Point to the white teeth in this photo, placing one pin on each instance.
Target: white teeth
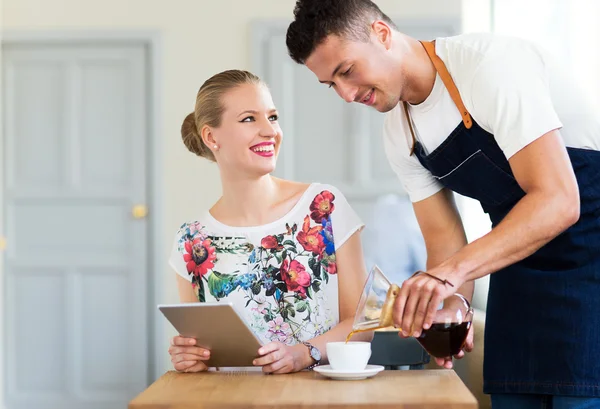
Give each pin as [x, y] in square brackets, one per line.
[264, 148]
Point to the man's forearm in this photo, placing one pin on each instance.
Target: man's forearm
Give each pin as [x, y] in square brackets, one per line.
[439, 254]
[534, 221]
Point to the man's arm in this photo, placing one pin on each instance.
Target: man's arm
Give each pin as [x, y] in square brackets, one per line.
[444, 236]
[442, 231]
[550, 206]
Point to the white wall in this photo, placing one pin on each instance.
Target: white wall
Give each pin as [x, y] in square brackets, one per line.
[567, 28]
[199, 38]
[1, 232]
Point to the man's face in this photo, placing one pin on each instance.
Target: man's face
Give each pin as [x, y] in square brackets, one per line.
[358, 71]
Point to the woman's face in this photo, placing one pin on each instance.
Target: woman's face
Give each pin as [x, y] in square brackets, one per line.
[249, 136]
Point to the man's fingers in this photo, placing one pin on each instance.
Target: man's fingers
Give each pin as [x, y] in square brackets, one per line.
[432, 308]
[440, 361]
[400, 304]
[424, 310]
[411, 307]
[444, 362]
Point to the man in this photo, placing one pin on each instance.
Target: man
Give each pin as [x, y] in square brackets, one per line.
[498, 120]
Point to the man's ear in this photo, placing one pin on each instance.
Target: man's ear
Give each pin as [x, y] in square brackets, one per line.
[383, 33]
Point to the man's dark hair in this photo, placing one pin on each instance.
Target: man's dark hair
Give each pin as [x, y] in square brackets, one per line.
[314, 20]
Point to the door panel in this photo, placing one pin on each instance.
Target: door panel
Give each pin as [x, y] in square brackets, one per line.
[76, 269]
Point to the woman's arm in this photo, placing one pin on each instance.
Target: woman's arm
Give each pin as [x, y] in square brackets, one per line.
[185, 355]
[352, 275]
[186, 291]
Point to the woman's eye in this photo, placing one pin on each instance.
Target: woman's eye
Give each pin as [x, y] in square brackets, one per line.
[347, 72]
[273, 118]
[248, 119]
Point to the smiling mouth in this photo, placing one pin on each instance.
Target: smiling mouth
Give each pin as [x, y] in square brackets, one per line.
[263, 148]
[368, 99]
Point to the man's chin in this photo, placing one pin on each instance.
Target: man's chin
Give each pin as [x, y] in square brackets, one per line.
[385, 108]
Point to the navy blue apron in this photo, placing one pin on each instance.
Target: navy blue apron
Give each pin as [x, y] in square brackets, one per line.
[542, 330]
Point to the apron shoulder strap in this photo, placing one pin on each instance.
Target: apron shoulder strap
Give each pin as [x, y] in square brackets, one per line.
[441, 69]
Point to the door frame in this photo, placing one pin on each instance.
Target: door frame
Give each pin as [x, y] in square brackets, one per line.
[152, 42]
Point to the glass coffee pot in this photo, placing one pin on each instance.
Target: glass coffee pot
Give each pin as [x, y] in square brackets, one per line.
[445, 337]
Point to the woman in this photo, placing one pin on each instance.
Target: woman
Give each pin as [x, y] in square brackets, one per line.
[288, 254]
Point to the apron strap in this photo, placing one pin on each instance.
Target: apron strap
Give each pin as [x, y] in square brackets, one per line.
[412, 131]
[441, 69]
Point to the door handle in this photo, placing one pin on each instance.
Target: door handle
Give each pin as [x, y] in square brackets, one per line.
[139, 211]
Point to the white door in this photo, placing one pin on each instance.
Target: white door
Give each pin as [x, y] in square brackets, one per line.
[76, 276]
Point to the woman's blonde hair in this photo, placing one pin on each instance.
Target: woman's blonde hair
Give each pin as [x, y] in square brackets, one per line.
[209, 108]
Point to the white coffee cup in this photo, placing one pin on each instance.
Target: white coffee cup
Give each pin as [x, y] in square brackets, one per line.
[351, 356]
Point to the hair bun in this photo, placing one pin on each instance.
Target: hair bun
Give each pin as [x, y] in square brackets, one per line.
[189, 134]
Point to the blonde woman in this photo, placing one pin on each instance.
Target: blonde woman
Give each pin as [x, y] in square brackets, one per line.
[288, 254]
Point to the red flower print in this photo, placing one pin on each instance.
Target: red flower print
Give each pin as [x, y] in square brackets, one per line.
[322, 206]
[295, 276]
[311, 239]
[331, 267]
[270, 242]
[199, 256]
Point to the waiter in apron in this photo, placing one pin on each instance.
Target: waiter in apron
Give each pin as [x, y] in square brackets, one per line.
[498, 120]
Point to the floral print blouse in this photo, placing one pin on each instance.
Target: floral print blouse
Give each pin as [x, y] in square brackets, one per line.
[282, 276]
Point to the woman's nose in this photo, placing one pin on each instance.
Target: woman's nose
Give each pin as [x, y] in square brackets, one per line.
[268, 129]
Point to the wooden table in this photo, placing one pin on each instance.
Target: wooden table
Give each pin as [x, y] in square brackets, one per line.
[224, 390]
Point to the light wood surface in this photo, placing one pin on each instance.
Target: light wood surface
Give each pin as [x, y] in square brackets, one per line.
[224, 390]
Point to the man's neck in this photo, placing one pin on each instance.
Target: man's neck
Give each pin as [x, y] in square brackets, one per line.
[419, 73]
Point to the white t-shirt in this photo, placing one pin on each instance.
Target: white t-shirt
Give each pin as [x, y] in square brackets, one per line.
[282, 276]
[511, 87]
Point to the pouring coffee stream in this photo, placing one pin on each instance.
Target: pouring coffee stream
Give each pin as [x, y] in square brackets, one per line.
[445, 337]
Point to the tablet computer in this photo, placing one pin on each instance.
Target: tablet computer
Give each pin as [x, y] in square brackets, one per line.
[217, 327]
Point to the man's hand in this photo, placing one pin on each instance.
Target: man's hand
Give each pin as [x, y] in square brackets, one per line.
[447, 362]
[417, 303]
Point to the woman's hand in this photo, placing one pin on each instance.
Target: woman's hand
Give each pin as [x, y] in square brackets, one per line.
[186, 356]
[279, 358]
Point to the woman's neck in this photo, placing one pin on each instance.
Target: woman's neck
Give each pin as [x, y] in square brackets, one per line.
[247, 201]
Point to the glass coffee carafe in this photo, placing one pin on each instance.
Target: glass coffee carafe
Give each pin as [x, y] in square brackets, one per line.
[445, 337]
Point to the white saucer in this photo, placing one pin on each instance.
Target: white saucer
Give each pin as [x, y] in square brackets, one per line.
[341, 375]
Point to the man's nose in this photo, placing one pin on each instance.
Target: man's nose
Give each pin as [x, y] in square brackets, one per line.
[347, 92]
